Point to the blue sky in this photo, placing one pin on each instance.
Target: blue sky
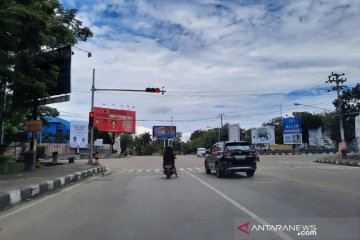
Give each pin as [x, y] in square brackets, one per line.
[246, 59]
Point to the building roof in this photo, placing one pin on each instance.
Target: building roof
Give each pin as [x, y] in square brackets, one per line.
[58, 120]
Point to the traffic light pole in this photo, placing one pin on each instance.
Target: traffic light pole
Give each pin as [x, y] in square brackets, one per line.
[93, 89]
[92, 127]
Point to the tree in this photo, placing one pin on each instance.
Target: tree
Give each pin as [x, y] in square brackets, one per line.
[350, 107]
[28, 30]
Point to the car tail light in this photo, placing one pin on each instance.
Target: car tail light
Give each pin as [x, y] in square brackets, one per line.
[228, 154]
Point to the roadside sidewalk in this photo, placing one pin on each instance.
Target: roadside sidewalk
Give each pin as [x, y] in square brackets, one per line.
[15, 188]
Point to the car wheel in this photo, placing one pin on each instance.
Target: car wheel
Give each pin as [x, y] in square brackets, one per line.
[250, 174]
[219, 173]
[207, 169]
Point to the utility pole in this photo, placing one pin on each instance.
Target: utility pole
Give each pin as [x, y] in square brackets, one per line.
[337, 79]
[221, 115]
[2, 108]
[92, 127]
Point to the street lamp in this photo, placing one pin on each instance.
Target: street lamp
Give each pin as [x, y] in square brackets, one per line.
[305, 105]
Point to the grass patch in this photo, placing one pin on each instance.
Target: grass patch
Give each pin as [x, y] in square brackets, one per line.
[12, 167]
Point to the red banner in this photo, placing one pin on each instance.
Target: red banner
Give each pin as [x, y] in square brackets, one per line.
[114, 120]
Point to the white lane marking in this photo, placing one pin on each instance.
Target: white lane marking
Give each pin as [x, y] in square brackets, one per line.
[139, 171]
[157, 170]
[148, 170]
[241, 207]
[45, 198]
[181, 169]
[131, 170]
[190, 169]
[197, 168]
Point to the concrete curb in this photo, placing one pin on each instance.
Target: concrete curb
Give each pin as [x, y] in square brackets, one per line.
[13, 197]
[337, 162]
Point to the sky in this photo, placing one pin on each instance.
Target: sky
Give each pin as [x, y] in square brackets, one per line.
[247, 60]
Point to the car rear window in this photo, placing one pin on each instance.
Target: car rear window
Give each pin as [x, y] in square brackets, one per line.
[238, 146]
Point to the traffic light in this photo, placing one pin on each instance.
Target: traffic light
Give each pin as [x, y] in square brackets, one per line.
[91, 119]
[155, 90]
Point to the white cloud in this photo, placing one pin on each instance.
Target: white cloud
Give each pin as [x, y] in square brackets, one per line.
[212, 59]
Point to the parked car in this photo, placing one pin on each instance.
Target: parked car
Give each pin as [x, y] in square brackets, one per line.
[201, 152]
[231, 157]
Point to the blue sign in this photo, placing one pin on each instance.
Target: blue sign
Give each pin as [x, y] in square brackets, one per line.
[164, 132]
[291, 125]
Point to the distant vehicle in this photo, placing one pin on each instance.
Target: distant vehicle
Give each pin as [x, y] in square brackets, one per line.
[201, 152]
[231, 157]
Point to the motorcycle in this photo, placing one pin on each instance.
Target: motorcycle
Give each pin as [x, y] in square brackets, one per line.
[168, 171]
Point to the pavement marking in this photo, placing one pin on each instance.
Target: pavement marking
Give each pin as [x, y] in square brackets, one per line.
[197, 168]
[157, 170]
[241, 207]
[131, 170]
[181, 169]
[42, 199]
[148, 170]
[190, 169]
[139, 171]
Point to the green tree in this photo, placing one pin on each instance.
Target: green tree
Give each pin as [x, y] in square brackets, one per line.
[350, 107]
[28, 30]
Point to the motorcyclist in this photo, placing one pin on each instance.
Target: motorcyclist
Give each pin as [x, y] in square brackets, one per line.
[169, 158]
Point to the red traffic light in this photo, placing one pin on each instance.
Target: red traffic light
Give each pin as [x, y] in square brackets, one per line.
[155, 90]
[91, 119]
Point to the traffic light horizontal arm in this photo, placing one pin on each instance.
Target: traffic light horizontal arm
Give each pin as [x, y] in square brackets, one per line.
[122, 90]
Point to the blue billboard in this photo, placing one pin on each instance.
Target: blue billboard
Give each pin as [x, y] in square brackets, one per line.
[291, 125]
[164, 132]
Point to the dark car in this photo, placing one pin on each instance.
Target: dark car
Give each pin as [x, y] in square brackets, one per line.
[231, 157]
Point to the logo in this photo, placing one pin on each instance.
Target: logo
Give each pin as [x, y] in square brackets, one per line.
[244, 228]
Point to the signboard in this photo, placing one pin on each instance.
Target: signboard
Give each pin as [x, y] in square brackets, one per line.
[114, 120]
[98, 142]
[161, 132]
[234, 132]
[117, 144]
[33, 125]
[51, 100]
[357, 126]
[315, 137]
[292, 130]
[291, 125]
[78, 134]
[294, 138]
[63, 61]
[263, 135]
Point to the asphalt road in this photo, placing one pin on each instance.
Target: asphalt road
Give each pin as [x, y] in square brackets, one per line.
[136, 202]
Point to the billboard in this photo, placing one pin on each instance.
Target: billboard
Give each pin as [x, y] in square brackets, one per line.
[163, 132]
[315, 137]
[263, 135]
[292, 131]
[78, 134]
[291, 125]
[234, 132]
[292, 138]
[114, 120]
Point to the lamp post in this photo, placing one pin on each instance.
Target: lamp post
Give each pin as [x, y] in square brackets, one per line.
[305, 105]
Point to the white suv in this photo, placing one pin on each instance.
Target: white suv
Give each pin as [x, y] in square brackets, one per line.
[201, 152]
